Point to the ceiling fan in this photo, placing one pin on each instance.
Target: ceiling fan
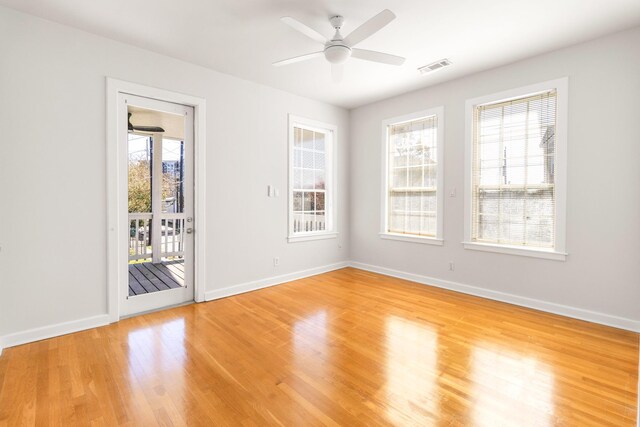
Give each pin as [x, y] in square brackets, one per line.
[151, 129]
[339, 49]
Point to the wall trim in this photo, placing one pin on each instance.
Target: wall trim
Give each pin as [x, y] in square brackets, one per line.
[44, 332]
[549, 307]
[272, 281]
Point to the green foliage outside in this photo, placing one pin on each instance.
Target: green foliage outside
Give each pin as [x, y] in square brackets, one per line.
[140, 186]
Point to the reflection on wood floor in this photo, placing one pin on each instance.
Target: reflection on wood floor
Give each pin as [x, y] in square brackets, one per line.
[342, 348]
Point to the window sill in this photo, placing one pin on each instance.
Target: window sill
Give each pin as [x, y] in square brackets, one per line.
[312, 236]
[412, 239]
[515, 250]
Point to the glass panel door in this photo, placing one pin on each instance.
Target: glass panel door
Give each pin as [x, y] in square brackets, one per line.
[160, 205]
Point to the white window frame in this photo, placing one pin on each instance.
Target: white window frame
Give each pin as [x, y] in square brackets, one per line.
[331, 158]
[384, 233]
[558, 252]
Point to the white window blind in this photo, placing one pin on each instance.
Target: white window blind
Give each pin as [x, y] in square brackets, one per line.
[310, 180]
[412, 167]
[513, 172]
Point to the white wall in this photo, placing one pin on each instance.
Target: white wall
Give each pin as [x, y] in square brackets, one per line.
[53, 173]
[53, 176]
[602, 273]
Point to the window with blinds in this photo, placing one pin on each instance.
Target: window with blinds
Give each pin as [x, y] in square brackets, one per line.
[513, 194]
[311, 179]
[412, 177]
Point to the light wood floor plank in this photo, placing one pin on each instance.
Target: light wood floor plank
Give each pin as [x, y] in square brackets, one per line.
[345, 348]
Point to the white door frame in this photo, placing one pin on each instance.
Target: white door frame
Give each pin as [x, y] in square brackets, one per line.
[116, 246]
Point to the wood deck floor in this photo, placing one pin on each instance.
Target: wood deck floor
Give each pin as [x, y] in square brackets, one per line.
[147, 277]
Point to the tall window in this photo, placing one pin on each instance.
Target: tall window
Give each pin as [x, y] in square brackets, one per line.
[311, 180]
[514, 171]
[413, 177]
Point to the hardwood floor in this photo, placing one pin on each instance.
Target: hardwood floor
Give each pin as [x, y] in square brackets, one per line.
[343, 348]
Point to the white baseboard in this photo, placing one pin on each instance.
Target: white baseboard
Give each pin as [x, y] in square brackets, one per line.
[271, 281]
[58, 329]
[64, 328]
[563, 310]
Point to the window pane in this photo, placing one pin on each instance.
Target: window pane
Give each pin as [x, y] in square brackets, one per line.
[297, 157]
[308, 181]
[514, 170]
[415, 200]
[307, 139]
[307, 159]
[309, 201]
[399, 178]
[310, 163]
[413, 165]
[415, 177]
[297, 137]
[320, 180]
[318, 141]
[318, 161]
[320, 201]
[139, 173]
[297, 178]
[297, 201]
[172, 174]
[397, 201]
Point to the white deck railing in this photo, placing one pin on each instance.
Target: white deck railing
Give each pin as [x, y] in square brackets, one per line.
[139, 238]
[170, 235]
[302, 224]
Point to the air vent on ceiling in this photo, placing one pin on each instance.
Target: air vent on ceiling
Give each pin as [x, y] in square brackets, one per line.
[434, 66]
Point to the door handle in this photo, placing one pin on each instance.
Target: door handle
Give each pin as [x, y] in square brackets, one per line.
[189, 230]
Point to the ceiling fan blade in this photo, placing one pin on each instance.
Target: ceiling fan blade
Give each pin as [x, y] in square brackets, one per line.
[298, 58]
[370, 27]
[304, 29]
[337, 71]
[372, 55]
[152, 129]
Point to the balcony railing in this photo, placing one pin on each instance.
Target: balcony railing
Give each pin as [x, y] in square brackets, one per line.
[168, 240]
[308, 223]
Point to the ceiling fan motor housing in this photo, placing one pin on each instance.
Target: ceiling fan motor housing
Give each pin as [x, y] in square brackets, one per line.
[337, 53]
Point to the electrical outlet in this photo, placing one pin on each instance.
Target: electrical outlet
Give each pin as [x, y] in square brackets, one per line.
[276, 261]
[451, 266]
[452, 193]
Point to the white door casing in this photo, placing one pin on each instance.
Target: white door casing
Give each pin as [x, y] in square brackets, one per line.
[150, 301]
[117, 186]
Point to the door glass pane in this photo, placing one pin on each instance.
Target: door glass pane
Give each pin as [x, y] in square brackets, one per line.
[139, 173]
[157, 203]
[172, 176]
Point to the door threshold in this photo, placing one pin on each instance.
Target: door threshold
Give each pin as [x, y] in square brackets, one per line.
[158, 309]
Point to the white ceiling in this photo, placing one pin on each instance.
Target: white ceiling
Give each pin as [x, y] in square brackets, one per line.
[243, 37]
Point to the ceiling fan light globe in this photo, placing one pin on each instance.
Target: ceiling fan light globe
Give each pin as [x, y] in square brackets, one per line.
[337, 54]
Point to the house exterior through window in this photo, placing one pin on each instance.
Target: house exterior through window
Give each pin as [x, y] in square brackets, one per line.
[413, 176]
[517, 182]
[311, 179]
